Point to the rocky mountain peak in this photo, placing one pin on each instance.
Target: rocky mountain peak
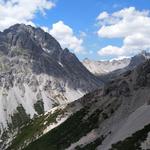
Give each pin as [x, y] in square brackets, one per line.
[26, 37]
[36, 75]
[145, 53]
[138, 59]
[19, 27]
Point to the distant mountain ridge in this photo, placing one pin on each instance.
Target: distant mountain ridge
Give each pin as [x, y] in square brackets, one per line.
[105, 67]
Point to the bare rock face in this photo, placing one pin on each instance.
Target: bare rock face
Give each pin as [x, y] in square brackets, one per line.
[138, 59]
[143, 75]
[35, 40]
[36, 74]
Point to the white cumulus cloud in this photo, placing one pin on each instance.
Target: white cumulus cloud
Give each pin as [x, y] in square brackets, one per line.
[66, 37]
[110, 50]
[21, 11]
[129, 24]
[103, 15]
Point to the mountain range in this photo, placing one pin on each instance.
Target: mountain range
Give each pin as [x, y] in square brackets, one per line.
[99, 68]
[104, 67]
[49, 100]
[36, 74]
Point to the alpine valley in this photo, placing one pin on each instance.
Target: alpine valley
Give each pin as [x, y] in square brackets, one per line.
[49, 100]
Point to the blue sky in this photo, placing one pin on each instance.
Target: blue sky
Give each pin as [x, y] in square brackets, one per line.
[80, 16]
